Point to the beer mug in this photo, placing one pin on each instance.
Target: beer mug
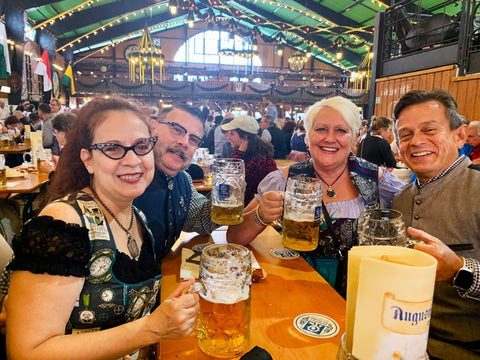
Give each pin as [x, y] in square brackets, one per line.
[302, 213]
[3, 171]
[6, 140]
[208, 169]
[382, 227]
[228, 188]
[26, 139]
[224, 318]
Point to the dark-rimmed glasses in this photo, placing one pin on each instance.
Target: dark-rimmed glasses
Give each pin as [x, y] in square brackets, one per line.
[116, 151]
[178, 131]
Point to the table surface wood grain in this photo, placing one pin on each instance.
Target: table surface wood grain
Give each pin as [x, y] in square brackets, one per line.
[27, 184]
[291, 288]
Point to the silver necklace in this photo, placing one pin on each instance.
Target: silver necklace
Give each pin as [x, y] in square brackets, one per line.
[331, 192]
[131, 242]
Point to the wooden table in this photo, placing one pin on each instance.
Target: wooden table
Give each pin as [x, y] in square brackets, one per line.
[291, 288]
[30, 183]
[284, 162]
[200, 186]
[17, 149]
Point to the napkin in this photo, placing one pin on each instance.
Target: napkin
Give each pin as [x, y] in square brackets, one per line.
[389, 302]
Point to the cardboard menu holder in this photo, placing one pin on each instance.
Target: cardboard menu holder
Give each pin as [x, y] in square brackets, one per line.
[36, 143]
[389, 302]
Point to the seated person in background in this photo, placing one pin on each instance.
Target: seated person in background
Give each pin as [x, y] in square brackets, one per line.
[441, 207]
[375, 147]
[350, 185]
[288, 130]
[16, 128]
[257, 154]
[299, 151]
[96, 294]
[474, 140]
[36, 121]
[62, 123]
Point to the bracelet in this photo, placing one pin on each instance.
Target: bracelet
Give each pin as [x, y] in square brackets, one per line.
[257, 218]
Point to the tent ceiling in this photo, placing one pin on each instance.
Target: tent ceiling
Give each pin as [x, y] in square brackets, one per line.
[82, 26]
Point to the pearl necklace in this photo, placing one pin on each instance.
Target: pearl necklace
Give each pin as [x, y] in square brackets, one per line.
[131, 242]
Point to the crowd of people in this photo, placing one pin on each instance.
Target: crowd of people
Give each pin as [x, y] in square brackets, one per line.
[120, 197]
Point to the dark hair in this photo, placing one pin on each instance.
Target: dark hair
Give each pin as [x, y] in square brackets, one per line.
[419, 97]
[218, 119]
[71, 174]
[30, 107]
[192, 110]
[63, 121]
[33, 116]
[380, 122]
[45, 108]
[257, 147]
[11, 120]
[289, 127]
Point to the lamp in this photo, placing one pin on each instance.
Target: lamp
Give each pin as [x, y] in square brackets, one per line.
[339, 53]
[147, 56]
[308, 51]
[172, 5]
[296, 62]
[280, 49]
[190, 18]
[255, 44]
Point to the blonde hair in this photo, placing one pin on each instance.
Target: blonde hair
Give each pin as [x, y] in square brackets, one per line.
[347, 109]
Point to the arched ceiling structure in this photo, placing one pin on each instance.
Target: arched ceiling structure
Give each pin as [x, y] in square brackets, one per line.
[316, 25]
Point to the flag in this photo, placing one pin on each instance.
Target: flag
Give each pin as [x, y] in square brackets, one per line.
[43, 68]
[67, 80]
[4, 57]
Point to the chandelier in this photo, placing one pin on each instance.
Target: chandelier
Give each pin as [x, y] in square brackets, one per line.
[296, 62]
[145, 58]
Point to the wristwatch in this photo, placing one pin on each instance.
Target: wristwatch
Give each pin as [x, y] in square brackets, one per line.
[464, 277]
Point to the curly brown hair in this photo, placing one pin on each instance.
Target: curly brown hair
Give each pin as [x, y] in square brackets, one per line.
[71, 174]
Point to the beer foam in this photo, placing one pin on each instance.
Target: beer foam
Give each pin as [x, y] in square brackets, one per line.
[227, 294]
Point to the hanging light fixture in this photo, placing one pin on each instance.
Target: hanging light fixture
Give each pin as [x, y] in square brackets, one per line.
[255, 44]
[308, 51]
[146, 57]
[190, 18]
[280, 49]
[296, 62]
[172, 5]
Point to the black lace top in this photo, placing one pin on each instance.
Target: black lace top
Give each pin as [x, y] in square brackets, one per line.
[46, 245]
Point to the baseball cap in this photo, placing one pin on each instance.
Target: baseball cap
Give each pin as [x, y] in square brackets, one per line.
[242, 122]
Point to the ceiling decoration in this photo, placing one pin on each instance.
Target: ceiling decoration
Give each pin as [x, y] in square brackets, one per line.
[314, 25]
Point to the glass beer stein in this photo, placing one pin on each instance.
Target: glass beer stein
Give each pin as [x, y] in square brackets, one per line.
[382, 227]
[224, 317]
[302, 213]
[228, 188]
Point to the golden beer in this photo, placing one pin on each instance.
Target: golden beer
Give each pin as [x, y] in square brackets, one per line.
[5, 143]
[227, 215]
[300, 235]
[3, 177]
[27, 141]
[223, 329]
[207, 179]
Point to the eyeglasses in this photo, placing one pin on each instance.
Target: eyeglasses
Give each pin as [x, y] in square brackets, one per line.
[117, 151]
[179, 132]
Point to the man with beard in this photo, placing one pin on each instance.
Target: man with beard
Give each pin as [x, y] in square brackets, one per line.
[171, 203]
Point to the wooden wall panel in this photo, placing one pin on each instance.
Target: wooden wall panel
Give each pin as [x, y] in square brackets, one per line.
[464, 89]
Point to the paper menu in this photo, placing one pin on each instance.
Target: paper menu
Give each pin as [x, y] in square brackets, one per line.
[389, 299]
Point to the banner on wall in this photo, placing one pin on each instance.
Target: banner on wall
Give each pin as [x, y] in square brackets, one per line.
[43, 68]
[5, 69]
